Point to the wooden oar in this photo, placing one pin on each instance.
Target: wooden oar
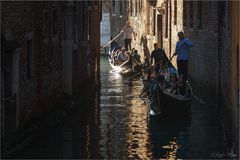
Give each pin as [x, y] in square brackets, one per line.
[132, 76]
[164, 66]
[111, 41]
[148, 68]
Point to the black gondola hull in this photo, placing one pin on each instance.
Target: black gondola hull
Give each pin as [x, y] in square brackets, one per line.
[170, 103]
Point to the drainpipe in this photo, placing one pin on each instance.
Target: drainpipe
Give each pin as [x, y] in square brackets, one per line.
[223, 112]
[2, 93]
[170, 28]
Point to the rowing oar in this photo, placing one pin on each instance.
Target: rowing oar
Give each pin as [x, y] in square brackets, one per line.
[111, 41]
[132, 76]
[148, 68]
[168, 61]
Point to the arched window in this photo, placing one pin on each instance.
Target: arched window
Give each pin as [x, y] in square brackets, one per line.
[175, 12]
[191, 13]
[200, 14]
[184, 13]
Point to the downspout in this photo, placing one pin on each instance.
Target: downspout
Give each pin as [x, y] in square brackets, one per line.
[222, 111]
[170, 28]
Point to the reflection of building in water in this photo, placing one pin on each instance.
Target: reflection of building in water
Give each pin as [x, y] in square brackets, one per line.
[172, 147]
[123, 125]
[139, 146]
[168, 135]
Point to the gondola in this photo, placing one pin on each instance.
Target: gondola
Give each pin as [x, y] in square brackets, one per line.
[170, 102]
[128, 67]
[122, 69]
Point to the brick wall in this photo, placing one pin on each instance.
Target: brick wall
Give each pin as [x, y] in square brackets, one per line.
[211, 64]
[117, 19]
[41, 85]
[40, 34]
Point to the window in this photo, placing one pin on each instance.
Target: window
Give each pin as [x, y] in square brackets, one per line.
[166, 20]
[121, 8]
[205, 14]
[175, 12]
[54, 22]
[154, 22]
[184, 13]
[113, 7]
[131, 8]
[136, 8]
[140, 5]
[191, 13]
[84, 21]
[199, 14]
[74, 24]
[89, 26]
[29, 58]
[45, 23]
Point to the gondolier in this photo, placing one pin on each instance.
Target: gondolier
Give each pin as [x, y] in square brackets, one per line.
[182, 52]
[128, 32]
[158, 56]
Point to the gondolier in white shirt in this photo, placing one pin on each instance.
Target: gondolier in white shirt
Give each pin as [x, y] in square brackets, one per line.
[128, 32]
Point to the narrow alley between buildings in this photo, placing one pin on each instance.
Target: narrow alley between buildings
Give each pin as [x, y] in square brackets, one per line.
[120, 79]
[118, 126]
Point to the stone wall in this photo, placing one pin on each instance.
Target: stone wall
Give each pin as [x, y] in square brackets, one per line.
[212, 66]
[52, 49]
[118, 17]
[39, 54]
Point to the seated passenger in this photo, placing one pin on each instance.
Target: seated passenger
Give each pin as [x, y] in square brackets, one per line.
[181, 85]
[146, 63]
[115, 55]
[174, 83]
[155, 95]
[161, 82]
[127, 60]
[113, 46]
[121, 56]
[149, 74]
[136, 56]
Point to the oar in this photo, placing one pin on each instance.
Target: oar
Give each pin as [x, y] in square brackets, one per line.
[194, 96]
[132, 76]
[111, 41]
[148, 68]
[164, 66]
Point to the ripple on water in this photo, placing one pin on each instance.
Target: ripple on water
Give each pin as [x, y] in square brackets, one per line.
[126, 131]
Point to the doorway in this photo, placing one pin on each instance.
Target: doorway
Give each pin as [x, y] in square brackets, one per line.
[159, 30]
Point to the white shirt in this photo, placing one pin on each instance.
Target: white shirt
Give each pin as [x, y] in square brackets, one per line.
[121, 56]
[127, 31]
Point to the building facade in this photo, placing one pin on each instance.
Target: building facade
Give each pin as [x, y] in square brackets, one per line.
[49, 49]
[118, 17]
[213, 27]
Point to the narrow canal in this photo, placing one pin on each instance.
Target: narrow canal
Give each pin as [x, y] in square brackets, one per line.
[117, 125]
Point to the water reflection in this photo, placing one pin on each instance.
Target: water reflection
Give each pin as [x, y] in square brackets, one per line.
[167, 136]
[123, 124]
[114, 124]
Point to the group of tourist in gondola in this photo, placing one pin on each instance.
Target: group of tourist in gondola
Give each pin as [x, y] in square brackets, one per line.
[128, 59]
[120, 55]
[164, 78]
[124, 56]
[159, 73]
